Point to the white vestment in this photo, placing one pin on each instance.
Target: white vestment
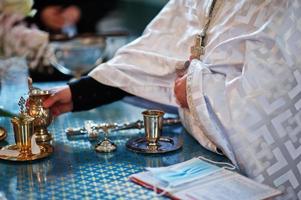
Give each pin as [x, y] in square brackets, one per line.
[245, 94]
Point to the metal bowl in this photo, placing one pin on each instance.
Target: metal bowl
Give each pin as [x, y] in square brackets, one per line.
[78, 56]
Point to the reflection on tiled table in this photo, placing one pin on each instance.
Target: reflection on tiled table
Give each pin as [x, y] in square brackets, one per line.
[76, 171]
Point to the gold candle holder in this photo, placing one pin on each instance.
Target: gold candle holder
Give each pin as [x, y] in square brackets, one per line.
[23, 131]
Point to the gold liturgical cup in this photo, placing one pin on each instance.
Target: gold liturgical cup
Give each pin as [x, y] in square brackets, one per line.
[153, 123]
[153, 142]
[23, 131]
[42, 116]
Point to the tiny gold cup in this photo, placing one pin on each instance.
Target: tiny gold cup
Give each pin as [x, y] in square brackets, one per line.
[153, 123]
[23, 131]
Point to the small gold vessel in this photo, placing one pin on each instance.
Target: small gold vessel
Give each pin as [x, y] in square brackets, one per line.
[26, 148]
[23, 131]
[42, 116]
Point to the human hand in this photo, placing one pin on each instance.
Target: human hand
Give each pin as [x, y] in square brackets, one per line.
[60, 101]
[180, 91]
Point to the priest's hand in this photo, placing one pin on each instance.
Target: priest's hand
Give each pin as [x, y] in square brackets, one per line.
[60, 101]
[180, 91]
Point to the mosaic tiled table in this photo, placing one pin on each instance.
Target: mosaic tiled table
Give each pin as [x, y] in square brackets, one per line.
[76, 171]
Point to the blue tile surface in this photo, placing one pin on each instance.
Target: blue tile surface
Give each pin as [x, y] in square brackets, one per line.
[76, 171]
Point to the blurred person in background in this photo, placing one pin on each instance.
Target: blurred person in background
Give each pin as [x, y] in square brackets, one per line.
[71, 16]
[67, 17]
[104, 16]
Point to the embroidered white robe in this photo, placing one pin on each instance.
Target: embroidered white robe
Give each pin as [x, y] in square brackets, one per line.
[245, 94]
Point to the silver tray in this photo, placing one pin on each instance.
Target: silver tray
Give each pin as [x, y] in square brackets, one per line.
[165, 144]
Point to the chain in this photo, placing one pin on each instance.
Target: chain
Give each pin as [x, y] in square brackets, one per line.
[198, 48]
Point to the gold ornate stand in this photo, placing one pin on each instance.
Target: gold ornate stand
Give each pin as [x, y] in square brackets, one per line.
[42, 116]
[42, 135]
